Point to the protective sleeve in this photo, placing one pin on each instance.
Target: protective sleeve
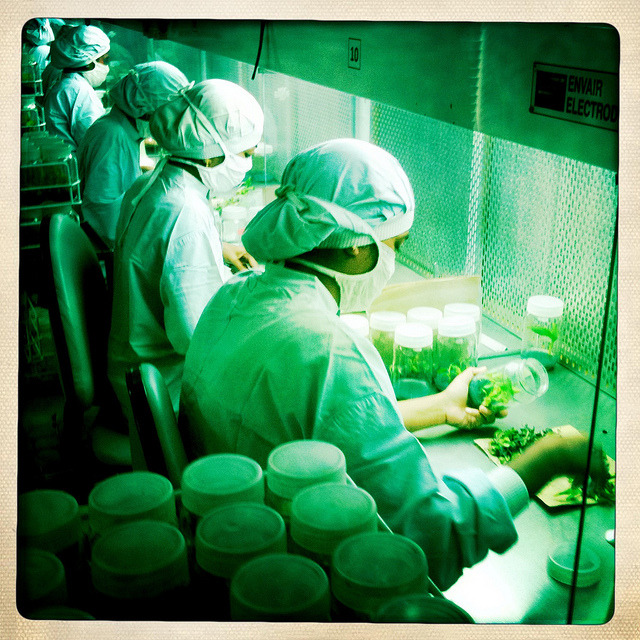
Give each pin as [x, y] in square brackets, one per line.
[455, 519]
[190, 277]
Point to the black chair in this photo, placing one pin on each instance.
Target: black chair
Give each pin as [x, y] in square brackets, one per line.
[156, 423]
[94, 429]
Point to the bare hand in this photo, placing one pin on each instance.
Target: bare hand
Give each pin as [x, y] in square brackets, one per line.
[237, 256]
[457, 413]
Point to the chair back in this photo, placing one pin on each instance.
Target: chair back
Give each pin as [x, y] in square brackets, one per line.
[79, 309]
[156, 422]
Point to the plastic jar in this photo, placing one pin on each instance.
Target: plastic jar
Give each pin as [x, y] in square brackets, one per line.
[541, 336]
[139, 571]
[218, 479]
[226, 538]
[456, 349]
[40, 580]
[324, 515]
[295, 465]
[519, 381]
[382, 326]
[465, 309]
[136, 495]
[370, 568]
[280, 588]
[422, 608]
[412, 369]
[233, 222]
[429, 316]
[358, 322]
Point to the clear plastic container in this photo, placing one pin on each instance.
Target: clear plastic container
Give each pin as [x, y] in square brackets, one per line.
[40, 580]
[519, 381]
[136, 495]
[412, 369]
[382, 326]
[280, 588]
[541, 336]
[465, 309]
[226, 538]
[295, 465]
[358, 322]
[456, 349]
[233, 220]
[368, 569]
[140, 571]
[221, 478]
[425, 315]
[324, 515]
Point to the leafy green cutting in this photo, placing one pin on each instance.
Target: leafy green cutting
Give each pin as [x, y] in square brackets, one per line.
[547, 332]
[603, 492]
[495, 390]
[507, 444]
[241, 191]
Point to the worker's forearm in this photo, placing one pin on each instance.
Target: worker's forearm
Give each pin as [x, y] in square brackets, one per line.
[420, 413]
[537, 463]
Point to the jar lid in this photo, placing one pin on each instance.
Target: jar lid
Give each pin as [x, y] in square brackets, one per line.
[40, 578]
[221, 478]
[545, 306]
[135, 495]
[280, 586]
[413, 335]
[456, 326]
[140, 559]
[425, 315]
[324, 515]
[561, 561]
[424, 608]
[369, 568]
[358, 322]
[230, 535]
[294, 465]
[48, 519]
[386, 320]
[462, 309]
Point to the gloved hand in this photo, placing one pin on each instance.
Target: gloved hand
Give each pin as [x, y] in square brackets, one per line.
[237, 257]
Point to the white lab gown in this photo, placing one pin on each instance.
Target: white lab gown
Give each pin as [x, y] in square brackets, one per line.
[271, 362]
[166, 269]
[109, 163]
[71, 106]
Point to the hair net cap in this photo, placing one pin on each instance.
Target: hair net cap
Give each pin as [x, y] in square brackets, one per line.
[146, 87]
[78, 46]
[38, 31]
[210, 112]
[338, 194]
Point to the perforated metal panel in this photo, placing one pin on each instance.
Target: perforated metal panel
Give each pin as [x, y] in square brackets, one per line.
[547, 228]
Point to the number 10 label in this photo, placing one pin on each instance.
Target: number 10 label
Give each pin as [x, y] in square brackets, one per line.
[353, 53]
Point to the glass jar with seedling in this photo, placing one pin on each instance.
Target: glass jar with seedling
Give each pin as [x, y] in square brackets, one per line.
[412, 368]
[466, 309]
[456, 349]
[519, 381]
[541, 330]
[382, 326]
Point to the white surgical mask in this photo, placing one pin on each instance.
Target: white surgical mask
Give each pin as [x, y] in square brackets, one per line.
[223, 177]
[96, 76]
[357, 292]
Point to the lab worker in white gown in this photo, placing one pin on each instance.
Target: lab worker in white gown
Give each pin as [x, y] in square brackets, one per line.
[71, 104]
[109, 154]
[37, 36]
[169, 259]
[271, 361]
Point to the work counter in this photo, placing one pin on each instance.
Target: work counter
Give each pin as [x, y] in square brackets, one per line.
[515, 587]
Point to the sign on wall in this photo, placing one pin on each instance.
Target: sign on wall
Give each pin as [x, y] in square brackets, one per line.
[578, 95]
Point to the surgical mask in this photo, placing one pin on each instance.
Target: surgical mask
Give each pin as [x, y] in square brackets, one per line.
[357, 292]
[96, 76]
[223, 177]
